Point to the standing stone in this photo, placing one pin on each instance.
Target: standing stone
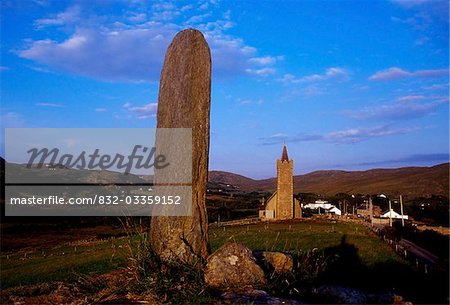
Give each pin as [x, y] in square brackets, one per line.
[184, 102]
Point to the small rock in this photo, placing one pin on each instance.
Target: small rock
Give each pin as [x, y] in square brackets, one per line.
[234, 267]
[279, 261]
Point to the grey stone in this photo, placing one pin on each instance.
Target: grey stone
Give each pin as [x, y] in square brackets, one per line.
[233, 267]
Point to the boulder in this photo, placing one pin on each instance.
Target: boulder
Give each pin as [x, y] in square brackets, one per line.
[234, 267]
[278, 261]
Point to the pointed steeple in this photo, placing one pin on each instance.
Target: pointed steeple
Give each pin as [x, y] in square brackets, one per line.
[284, 155]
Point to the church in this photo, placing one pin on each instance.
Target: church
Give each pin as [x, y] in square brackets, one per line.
[282, 205]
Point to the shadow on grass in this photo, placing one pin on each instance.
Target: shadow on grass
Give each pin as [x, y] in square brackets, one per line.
[341, 265]
[346, 269]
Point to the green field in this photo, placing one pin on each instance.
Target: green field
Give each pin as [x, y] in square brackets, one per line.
[305, 236]
[64, 262]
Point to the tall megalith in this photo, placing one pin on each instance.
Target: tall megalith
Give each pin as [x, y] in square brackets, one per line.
[184, 102]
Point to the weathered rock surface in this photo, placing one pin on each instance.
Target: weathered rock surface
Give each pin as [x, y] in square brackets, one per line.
[234, 267]
[184, 102]
[279, 261]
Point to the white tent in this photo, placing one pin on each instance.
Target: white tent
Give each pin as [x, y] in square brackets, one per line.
[394, 215]
[334, 210]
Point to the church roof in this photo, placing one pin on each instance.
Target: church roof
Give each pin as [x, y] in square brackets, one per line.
[284, 155]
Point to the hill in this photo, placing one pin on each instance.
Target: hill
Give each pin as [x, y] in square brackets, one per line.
[409, 181]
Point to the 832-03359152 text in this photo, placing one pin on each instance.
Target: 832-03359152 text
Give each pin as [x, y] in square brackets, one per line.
[98, 200]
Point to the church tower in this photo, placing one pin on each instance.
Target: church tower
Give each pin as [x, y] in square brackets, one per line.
[285, 187]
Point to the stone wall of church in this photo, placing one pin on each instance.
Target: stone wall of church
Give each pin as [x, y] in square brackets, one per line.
[285, 190]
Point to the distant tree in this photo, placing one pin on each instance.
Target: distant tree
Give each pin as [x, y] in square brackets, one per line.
[307, 197]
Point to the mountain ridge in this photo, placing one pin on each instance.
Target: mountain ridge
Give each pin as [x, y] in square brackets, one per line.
[413, 181]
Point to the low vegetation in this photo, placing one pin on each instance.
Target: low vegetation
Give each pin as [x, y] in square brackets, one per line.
[324, 251]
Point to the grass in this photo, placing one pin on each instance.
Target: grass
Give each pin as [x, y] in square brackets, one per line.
[66, 262]
[371, 258]
[302, 237]
[62, 262]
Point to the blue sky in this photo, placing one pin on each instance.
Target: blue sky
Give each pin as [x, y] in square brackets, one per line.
[346, 84]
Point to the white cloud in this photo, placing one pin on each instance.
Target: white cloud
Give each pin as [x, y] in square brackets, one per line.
[258, 102]
[437, 87]
[124, 55]
[355, 135]
[261, 72]
[101, 110]
[11, 120]
[265, 60]
[409, 98]
[274, 139]
[345, 136]
[411, 3]
[130, 48]
[396, 73]
[333, 73]
[40, 69]
[71, 15]
[137, 17]
[405, 108]
[144, 111]
[422, 40]
[186, 7]
[49, 105]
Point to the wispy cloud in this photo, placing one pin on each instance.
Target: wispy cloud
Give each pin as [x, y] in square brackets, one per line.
[274, 139]
[428, 18]
[261, 72]
[345, 136]
[405, 107]
[142, 112]
[333, 73]
[3, 68]
[71, 15]
[355, 135]
[248, 102]
[101, 110]
[265, 60]
[49, 105]
[440, 6]
[395, 73]
[9, 119]
[437, 87]
[413, 159]
[40, 69]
